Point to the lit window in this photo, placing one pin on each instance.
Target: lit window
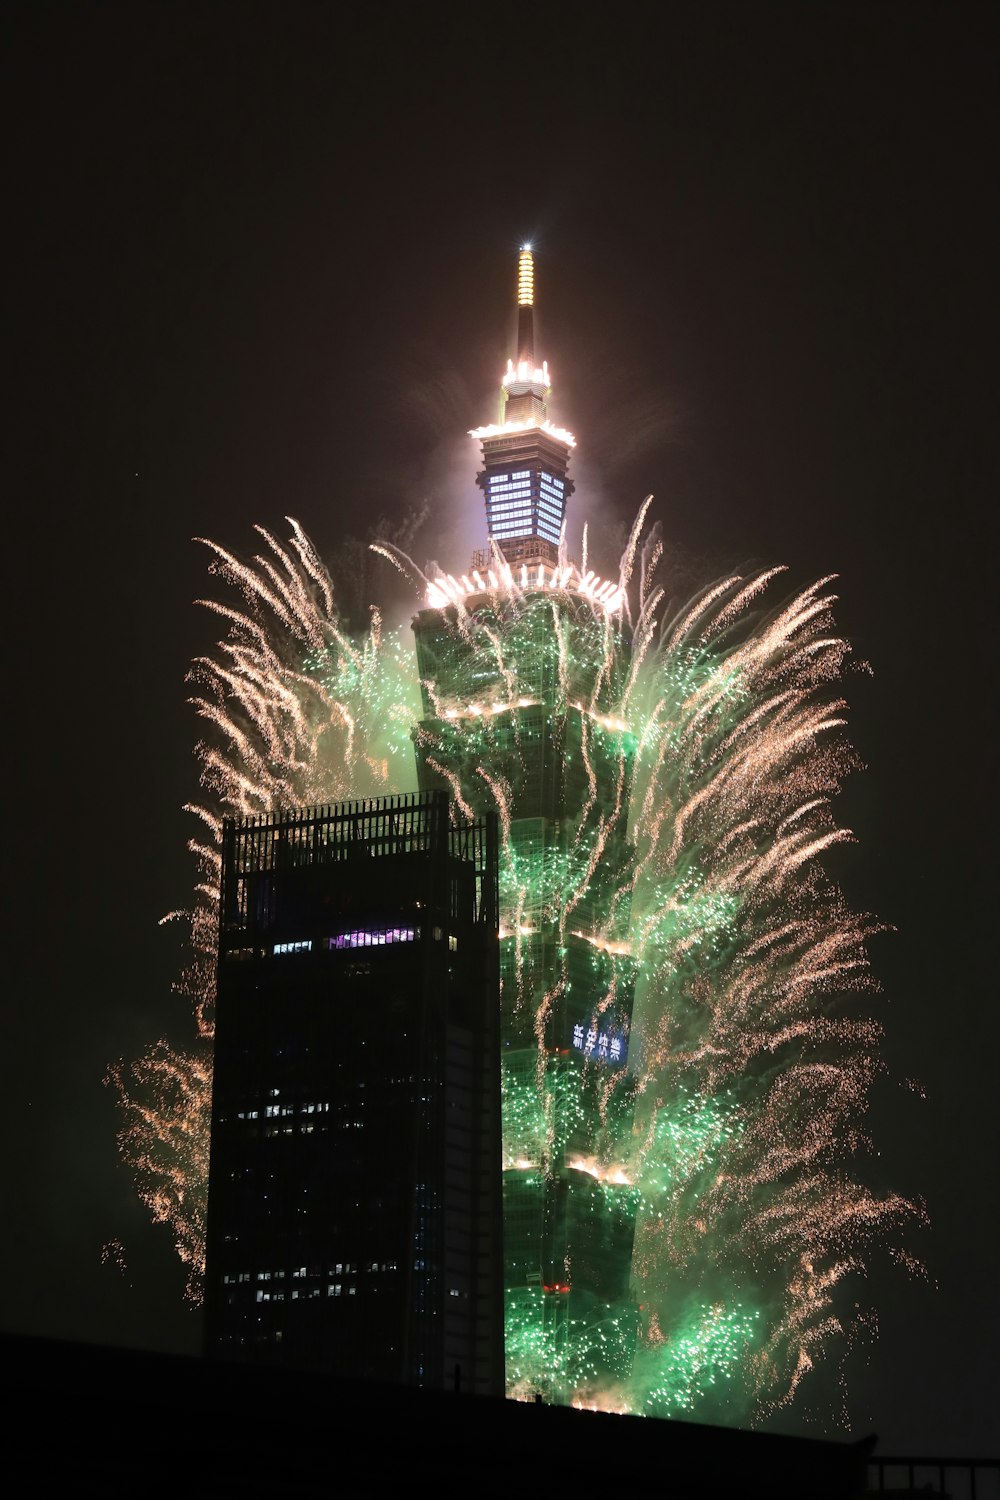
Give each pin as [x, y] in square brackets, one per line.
[375, 937]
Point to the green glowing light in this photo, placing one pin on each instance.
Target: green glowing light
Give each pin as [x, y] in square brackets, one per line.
[710, 1349]
[664, 798]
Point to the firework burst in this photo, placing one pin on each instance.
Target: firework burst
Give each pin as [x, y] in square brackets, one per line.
[728, 1140]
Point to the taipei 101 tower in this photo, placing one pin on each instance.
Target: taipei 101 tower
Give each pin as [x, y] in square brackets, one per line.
[522, 660]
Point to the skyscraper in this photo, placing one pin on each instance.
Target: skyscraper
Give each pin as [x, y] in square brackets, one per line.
[680, 1070]
[521, 660]
[354, 1186]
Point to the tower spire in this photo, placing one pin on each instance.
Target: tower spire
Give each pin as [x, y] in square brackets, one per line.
[525, 385]
[524, 479]
[525, 307]
[525, 483]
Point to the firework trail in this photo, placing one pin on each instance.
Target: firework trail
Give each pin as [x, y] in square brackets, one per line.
[730, 1137]
[297, 712]
[166, 1100]
[752, 1069]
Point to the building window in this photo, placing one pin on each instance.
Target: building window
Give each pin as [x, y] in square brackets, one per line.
[373, 937]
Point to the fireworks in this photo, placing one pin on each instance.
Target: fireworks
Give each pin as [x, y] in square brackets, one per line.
[712, 1115]
[166, 1100]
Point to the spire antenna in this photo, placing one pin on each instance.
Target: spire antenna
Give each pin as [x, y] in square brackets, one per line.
[525, 306]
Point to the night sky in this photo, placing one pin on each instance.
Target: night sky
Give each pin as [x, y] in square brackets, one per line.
[260, 262]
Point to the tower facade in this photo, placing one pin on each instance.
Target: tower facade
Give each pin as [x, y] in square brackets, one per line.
[522, 661]
[354, 1198]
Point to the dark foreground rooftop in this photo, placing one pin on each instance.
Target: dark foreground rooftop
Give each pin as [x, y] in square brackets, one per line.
[111, 1421]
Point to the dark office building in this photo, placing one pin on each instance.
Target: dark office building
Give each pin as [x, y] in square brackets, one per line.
[354, 1189]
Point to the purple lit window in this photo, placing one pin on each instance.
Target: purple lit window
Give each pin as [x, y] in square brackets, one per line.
[374, 937]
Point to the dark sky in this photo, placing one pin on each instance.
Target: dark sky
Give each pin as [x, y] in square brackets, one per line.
[259, 262]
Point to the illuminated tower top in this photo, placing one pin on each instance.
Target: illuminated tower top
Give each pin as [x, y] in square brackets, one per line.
[524, 479]
[526, 485]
